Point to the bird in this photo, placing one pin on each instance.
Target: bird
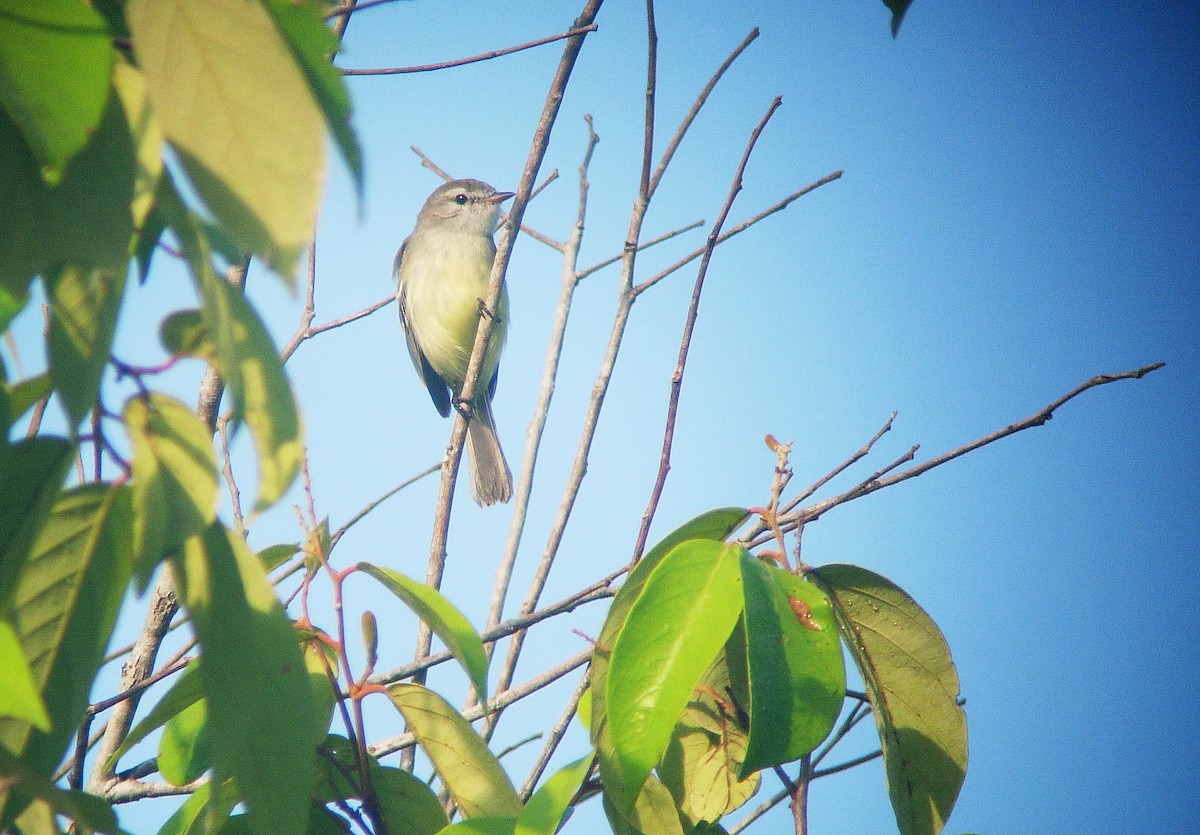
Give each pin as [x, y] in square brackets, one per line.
[442, 271]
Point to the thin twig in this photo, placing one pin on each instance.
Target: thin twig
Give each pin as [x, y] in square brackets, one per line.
[556, 735]
[497, 702]
[340, 532]
[689, 326]
[474, 59]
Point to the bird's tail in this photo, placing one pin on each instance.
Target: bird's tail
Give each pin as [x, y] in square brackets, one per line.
[491, 480]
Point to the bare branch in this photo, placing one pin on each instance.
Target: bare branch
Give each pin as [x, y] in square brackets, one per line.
[474, 59]
[689, 326]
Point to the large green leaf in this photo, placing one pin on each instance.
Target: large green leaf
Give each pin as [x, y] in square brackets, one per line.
[674, 630]
[255, 682]
[713, 525]
[84, 221]
[243, 354]
[55, 59]
[913, 687]
[29, 484]
[184, 752]
[84, 304]
[406, 803]
[239, 111]
[544, 812]
[795, 671]
[202, 813]
[313, 43]
[63, 609]
[468, 769]
[449, 624]
[174, 477]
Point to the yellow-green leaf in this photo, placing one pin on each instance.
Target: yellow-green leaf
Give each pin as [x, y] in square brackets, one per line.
[174, 476]
[19, 698]
[255, 682]
[83, 318]
[913, 687]
[468, 769]
[239, 111]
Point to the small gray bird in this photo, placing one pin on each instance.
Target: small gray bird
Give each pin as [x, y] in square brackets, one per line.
[442, 271]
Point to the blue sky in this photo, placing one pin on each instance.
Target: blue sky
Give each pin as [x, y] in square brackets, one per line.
[1018, 213]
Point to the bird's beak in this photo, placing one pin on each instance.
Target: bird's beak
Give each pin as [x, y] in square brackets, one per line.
[500, 196]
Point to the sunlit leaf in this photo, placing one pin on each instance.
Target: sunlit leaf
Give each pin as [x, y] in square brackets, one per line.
[468, 769]
[225, 63]
[795, 671]
[255, 682]
[313, 42]
[546, 808]
[83, 317]
[19, 698]
[913, 687]
[130, 86]
[183, 750]
[174, 476]
[449, 624]
[55, 60]
[63, 609]
[713, 525]
[482, 826]
[243, 353]
[184, 333]
[675, 628]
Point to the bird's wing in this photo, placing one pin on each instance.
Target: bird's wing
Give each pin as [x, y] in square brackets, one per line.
[439, 392]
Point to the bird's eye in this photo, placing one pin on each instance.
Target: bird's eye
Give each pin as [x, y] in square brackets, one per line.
[460, 199]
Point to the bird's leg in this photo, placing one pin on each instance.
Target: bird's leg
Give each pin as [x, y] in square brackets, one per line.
[484, 310]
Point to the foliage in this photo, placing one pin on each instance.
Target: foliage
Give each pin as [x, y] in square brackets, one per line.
[716, 662]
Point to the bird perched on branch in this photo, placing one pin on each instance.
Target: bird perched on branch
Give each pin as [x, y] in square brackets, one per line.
[442, 271]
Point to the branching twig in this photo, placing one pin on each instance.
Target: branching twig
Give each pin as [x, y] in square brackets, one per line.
[689, 327]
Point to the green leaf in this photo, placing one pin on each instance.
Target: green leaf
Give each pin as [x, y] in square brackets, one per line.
[255, 682]
[183, 750]
[202, 814]
[795, 668]
[544, 812]
[313, 43]
[245, 357]
[913, 687]
[19, 697]
[89, 811]
[85, 220]
[449, 624]
[22, 395]
[406, 803]
[461, 758]
[260, 173]
[10, 305]
[29, 484]
[678, 624]
[185, 692]
[899, 9]
[83, 317]
[714, 525]
[63, 609]
[274, 556]
[174, 477]
[184, 333]
[708, 745]
[55, 61]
